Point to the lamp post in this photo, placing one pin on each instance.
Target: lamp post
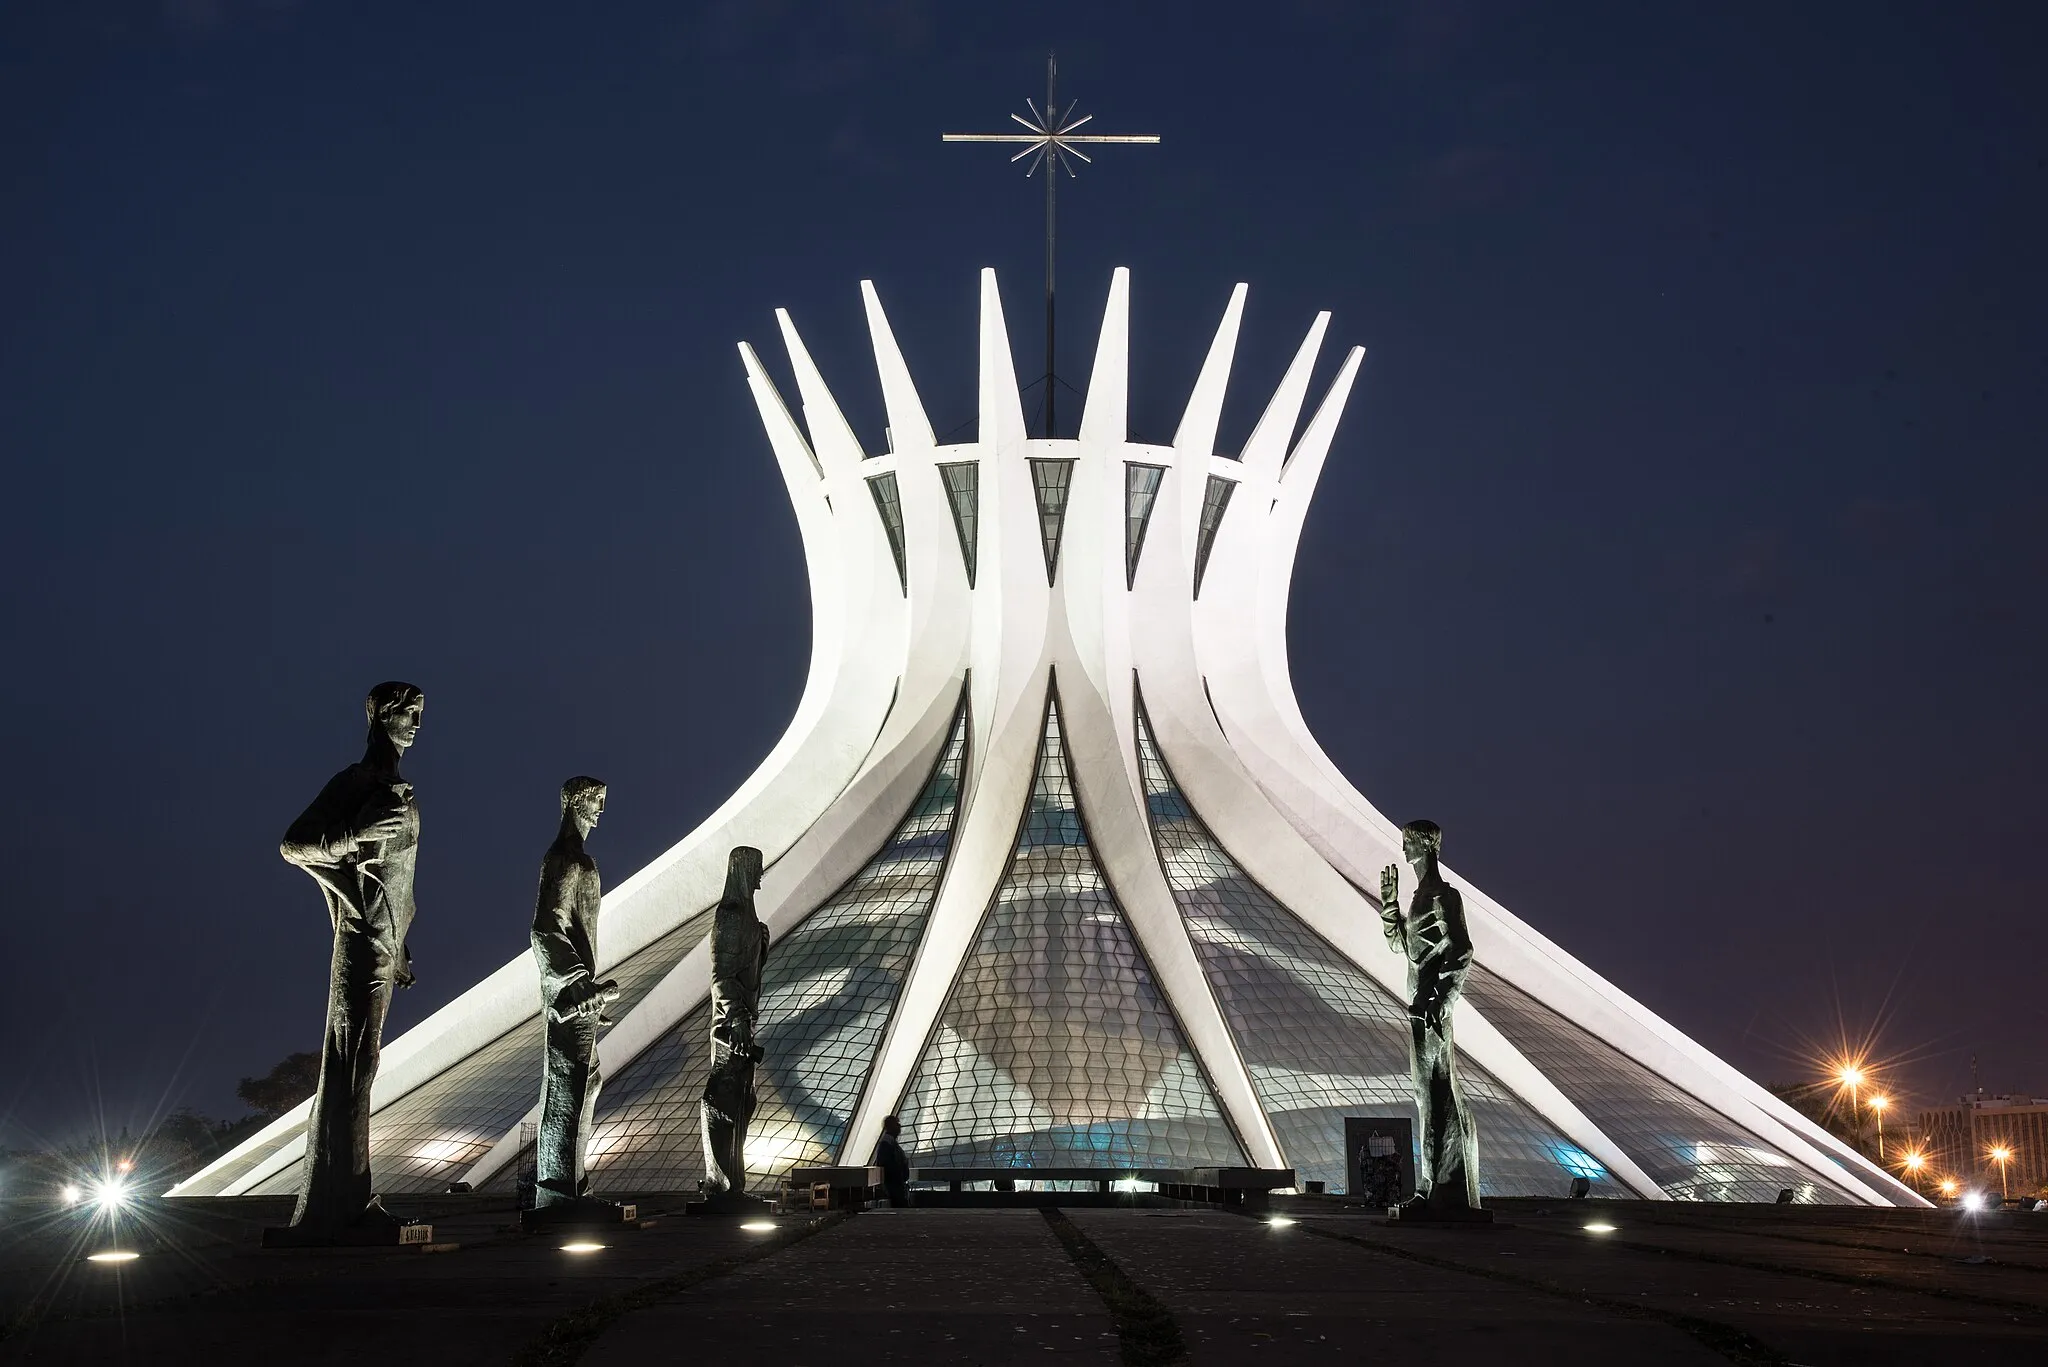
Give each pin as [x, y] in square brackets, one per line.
[1878, 1104]
[1850, 1077]
[2001, 1154]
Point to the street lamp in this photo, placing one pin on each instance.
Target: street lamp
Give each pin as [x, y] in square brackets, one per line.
[2001, 1154]
[1849, 1077]
[1948, 1186]
[1877, 1104]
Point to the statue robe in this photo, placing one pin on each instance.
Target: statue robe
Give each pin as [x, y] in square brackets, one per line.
[1434, 939]
[368, 886]
[565, 947]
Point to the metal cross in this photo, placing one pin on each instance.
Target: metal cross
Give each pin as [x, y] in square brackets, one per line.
[1050, 141]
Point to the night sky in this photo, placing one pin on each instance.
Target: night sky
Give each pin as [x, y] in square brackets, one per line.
[1681, 551]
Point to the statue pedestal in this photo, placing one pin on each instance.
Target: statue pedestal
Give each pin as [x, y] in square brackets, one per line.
[728, 1203]
[561, 1216]
[1417, 1213]
[369, 1235]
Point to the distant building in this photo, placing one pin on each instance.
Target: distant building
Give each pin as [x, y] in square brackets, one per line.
[1960, 1139]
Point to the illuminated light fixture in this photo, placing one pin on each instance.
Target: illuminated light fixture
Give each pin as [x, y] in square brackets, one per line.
[126, 1165]
[1948, 1186]
[71, 1193]
[758, 1225]
[1850, 1075]
[110, 1195]
[1281, 1222]
[1599, 1227]
[1973, 1200]
[583, 1246]
[113, 1255]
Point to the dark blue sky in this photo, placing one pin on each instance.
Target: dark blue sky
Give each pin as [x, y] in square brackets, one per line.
[1698, 456]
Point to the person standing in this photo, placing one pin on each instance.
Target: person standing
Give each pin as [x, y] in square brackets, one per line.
[895, 1166]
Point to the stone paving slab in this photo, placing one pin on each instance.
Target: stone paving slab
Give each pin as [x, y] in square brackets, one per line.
[931, 1286]
[1244, 1290]
[1809, 1320]
[207, 1292]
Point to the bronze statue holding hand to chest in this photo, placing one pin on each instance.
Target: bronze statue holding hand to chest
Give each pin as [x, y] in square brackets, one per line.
[359, 841]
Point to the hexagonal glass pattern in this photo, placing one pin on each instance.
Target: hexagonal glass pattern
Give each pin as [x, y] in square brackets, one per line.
[1321, 1039]
[1692, 1151]
[827, 993]
[430, 1136]
[1056, 1046]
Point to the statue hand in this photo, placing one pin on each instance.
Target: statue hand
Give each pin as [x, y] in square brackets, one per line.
[382, 817]
[578, 998]
[1390, 887]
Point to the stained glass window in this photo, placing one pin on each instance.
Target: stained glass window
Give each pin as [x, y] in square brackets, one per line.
[1322, 1039]
[890, 505]
[1215, 498]
[1692, 1151]
[1056, 1046]
[1049, 481]
[1141, 490]
[963, 495]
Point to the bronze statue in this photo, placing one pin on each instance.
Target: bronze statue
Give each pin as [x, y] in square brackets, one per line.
[739, 949]
[359, 841]
[1438, 947]
[573, 1002]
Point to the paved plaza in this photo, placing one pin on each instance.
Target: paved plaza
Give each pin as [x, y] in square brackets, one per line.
[1311, 1280]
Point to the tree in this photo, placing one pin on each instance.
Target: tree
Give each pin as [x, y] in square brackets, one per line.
[288, 1083]
[1823, 1104]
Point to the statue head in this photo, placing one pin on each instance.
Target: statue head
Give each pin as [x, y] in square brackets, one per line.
[1421, 843]
[742, 874]
[394, 711]
[583, 798]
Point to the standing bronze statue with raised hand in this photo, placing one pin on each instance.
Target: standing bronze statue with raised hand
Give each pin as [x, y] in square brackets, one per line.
[359, 841]
[1433, 937]
[573, 1002]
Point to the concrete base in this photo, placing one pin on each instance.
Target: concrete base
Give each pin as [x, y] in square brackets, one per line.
[728, 1203]
[1416, 1213]
[585, 1214]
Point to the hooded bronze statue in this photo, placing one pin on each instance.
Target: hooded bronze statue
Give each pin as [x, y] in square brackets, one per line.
[359, 841]
[739, 949]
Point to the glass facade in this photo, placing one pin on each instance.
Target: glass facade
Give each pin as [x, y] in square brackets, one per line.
[1056, 1047]
[827, 993]
[1692, 1151]
[1141, 490]
[1322, 1039]
[1215, 498]
[1049, 482]
[430, 1136]
[889, 503]
[963, 496]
